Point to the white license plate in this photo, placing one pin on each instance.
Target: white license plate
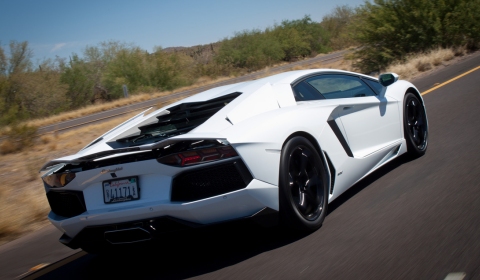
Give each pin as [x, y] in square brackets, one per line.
[120, 190]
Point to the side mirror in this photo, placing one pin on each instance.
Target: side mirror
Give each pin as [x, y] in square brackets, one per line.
[387, 79]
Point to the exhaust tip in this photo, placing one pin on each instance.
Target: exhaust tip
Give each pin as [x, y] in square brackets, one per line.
[125, 236]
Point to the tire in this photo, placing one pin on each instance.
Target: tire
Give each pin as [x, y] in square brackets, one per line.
[303, 186]
[415, 126]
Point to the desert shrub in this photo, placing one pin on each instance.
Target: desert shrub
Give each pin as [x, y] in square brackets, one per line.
[14, 216]
[17, 138]
[338, 24]
[390, 30]
[80, 77]
[301, 38]
[250, 49]
[255, 49]
[416, 63]
[139, 70]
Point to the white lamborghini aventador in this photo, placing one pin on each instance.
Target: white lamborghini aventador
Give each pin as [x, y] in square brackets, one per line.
[285, 145]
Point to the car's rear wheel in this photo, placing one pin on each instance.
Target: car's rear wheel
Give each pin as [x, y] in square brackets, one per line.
[415, 126]
[303, 186]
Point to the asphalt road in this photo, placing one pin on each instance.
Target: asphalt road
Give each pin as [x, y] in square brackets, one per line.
[409, 220]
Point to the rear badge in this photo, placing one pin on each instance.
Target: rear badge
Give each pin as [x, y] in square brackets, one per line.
[111, 170]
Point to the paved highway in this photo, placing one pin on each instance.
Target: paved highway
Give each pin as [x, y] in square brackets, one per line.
[409, 220]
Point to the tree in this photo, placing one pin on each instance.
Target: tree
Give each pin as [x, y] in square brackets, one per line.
[250, 50]
[3, 63]
[20, 57]
[41, 92]
[290, 40]
[337, 24]
[85, 76]
[12, 67]
[301, 38]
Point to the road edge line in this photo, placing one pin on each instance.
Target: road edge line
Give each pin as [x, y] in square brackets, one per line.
[451, 80]
[54, 266]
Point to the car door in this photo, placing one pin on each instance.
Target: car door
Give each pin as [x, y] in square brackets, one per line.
[370, 120]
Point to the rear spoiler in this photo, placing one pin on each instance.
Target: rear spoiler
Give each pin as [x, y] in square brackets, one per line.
[103, 154]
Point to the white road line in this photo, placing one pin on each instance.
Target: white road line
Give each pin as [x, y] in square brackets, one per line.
[304, 269]
[456, 276]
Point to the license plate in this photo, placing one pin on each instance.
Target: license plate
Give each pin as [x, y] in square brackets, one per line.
[120, 190]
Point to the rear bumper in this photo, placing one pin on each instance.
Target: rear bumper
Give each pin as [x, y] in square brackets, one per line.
[229, 206]
[141, 231]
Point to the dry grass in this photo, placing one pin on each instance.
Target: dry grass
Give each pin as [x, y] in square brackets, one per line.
[22, 210]
[423, 62]
[17, 137]
[23, 204]
[7, 146]
[22, 168]
[342, 64]
[95, 109]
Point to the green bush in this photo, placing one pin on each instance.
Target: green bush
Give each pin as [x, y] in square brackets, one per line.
[250, 49]
[301, 38]
[389, 30]
[137, 69]
[288, 41]
[338, 26]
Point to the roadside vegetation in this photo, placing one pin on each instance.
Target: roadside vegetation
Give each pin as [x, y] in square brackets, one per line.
[391, 31]
[408, 37]
[385, 31]
[23, 204]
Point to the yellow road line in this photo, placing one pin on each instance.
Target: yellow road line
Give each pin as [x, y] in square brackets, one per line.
[34, 274]
[451, 80]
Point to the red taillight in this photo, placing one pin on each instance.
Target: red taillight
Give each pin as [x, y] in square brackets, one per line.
[198, 156]
[189, 158]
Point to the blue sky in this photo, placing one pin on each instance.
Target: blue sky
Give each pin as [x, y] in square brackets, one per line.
[54, 27]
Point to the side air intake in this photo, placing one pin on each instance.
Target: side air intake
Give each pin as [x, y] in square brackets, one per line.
[181, 119]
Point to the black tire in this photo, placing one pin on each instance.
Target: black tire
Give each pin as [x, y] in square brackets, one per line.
[303, 186]
[415, 126]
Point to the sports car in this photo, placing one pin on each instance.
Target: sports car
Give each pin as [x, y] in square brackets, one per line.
[275, 149]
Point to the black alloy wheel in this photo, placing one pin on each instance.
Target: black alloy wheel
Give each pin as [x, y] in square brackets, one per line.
[415, 126]
[303, 186]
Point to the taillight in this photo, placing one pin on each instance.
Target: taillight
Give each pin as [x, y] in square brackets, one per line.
[58, 180]
[198, 156]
